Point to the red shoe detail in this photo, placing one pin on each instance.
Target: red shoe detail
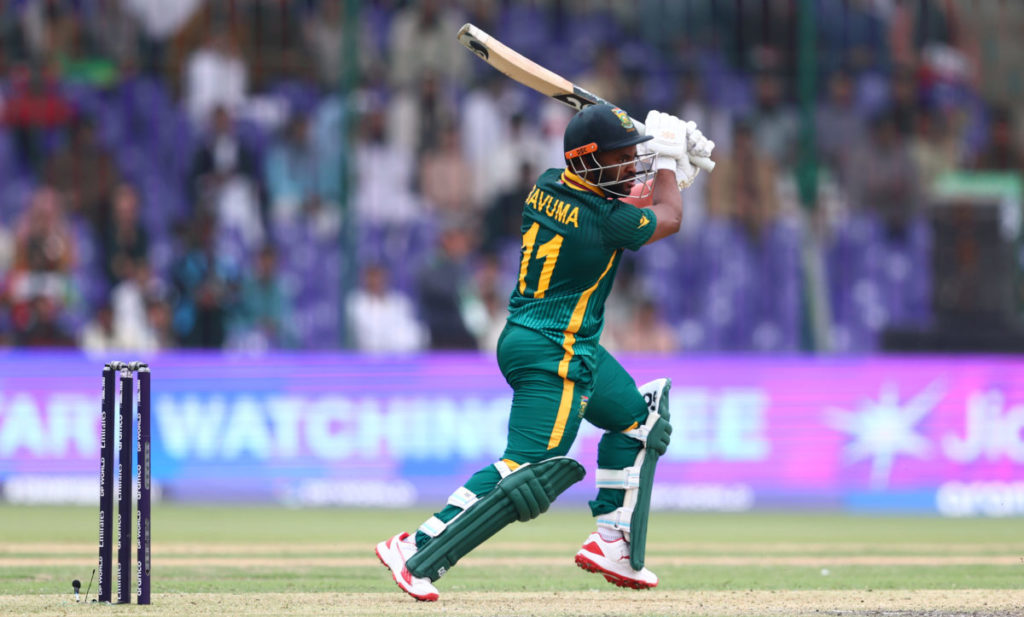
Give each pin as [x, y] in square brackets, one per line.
[406, 576]
[430, 597]
[593, 547]
[611, 577]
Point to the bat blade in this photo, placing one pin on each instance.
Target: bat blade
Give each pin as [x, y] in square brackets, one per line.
[520, 68]
[534, 76]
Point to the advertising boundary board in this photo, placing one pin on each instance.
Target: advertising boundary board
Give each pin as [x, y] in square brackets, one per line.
[899, 434]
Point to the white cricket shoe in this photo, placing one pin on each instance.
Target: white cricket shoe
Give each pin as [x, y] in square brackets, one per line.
[611, 559]
[394, 553]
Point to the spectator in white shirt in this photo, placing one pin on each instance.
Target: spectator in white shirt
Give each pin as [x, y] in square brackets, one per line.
[383, 177]
[381, 319]
[420, 40]
[215, 75]
[129, 301]
[98, 335]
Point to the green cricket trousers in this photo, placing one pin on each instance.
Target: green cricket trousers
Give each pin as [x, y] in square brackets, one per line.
[553, 391]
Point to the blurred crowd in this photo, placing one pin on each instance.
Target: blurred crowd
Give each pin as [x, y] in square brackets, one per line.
[254, 174]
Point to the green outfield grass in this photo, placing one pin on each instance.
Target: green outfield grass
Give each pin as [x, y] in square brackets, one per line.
[253, 550]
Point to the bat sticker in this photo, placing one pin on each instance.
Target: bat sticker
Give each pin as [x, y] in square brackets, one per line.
[573, 101]
[479, 49]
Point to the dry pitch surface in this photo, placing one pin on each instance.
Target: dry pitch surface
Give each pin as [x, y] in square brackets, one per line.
[229, 562]
[927, 603]
[350, 558]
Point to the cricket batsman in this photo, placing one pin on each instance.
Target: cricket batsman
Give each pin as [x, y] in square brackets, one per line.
[575, 228]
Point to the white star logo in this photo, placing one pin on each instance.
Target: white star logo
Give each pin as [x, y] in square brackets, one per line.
[883, 429]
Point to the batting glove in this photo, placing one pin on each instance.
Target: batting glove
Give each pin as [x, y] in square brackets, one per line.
[669, 135]
[697, 145]
[668, 143]
[686, 172]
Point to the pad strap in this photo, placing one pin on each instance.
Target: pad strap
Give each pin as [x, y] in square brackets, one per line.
[521, 495]
[433, 526]
[641, 432]
[619, 519]
[655, 433]
[503, 469]
[462, 498]
[621, 479]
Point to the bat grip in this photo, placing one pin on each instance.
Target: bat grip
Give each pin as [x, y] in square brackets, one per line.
[702, 162]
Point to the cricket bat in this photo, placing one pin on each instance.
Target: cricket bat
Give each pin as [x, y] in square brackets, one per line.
[538, 78]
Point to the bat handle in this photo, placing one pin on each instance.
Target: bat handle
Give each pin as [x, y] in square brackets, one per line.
[702, 162]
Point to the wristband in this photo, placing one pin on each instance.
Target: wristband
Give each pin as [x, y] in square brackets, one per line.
[665, 162]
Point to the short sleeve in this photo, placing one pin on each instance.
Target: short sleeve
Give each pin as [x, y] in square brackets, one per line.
[626, 226]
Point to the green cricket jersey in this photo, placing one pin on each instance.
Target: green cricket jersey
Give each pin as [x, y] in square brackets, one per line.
[573, 238]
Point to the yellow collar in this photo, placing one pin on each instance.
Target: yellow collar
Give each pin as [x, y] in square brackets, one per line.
[579, 183]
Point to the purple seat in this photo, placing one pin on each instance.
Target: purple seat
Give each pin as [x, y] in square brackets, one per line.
[524, 28]
[84, 98]
[398, 247]
[592, 26]
[135, 162]
[302, 98]
[310, 270]
[253, 136]
[877, 280]
[740, 294]
[9, 164]
[109, 127]
[14, 197]
[88, 274]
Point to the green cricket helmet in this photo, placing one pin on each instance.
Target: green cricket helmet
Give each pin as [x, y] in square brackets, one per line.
[600, 128]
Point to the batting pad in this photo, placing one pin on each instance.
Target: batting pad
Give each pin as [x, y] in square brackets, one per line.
[522, 495]
[638, 481]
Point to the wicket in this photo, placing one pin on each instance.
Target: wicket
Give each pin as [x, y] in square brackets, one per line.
[142, 483]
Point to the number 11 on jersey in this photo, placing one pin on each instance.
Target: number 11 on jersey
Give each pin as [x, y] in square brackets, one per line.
[547, 251]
